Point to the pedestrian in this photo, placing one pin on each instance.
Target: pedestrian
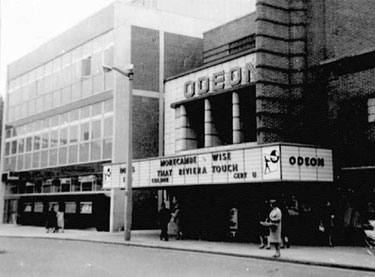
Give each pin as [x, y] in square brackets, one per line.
[60, 220]
[263, 230]
[51, 220]
[327, 223]
[275, 227]
[285, 224]
[164, 217]
[176, 216]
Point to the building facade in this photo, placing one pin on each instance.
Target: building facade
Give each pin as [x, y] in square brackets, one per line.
[65, 117]
[282, 107]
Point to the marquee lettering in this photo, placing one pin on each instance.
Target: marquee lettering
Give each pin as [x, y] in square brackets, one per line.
[219, 80]
[307, 161]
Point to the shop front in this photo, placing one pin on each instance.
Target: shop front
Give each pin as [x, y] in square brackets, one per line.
[222, 191]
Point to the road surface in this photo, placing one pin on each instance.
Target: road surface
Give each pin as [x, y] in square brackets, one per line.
[54, 257]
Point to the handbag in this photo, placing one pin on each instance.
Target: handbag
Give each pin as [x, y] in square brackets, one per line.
[321, 227]
[273, 227]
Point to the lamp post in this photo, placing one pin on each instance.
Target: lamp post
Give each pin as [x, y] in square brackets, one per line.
[129, 136]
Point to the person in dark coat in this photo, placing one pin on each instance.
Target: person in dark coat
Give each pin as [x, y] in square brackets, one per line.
[51, 223]
[164, 218]
[327, 222]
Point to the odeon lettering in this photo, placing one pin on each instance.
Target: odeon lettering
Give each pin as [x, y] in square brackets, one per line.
[306, 161]
[219, 80]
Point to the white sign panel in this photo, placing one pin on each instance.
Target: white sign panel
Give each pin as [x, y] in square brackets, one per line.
[271, 163]
[306, 164]
[257, 164]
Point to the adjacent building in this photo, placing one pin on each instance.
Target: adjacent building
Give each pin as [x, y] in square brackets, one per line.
[65, 117]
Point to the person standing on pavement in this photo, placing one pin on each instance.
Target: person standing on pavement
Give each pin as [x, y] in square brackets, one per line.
[164, 217]
[275, 227]
[263, 230]
[176, 216]
[60, 220]
[51, 220]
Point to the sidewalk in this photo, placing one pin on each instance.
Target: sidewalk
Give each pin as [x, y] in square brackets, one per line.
[342, 257]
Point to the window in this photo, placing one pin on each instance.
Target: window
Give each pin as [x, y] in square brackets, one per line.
[95, 150]
[44, 159]
[28, 161]
[86, 67]
[7, 149]
[108, 129]
[63, 155]
[73, 153]
[54, 138]
[21, 145]
[96, 129]
[371, 109]
[85, 207]
[85, 132]
[107, 148]
[64, 136]
[45, 140]
[53, 157]
[84, 152]
[73, 136]
[14, 147]
[38, 207]
[36, 160]
[29, 144]
[70, 207]
[20, 161]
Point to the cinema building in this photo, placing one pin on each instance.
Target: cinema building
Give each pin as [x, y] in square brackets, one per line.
[281, 107]
[65, 117]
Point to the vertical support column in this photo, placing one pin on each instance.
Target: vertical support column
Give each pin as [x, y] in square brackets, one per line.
[161, 93]
[207, 124]
[237, 132]
[181, 141]
[210, 133]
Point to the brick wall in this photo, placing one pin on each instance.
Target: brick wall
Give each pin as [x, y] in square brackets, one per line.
[281, 60]
[350, 26]
[145, 127]
[182, 53]
[145, 57]
[350, 83]
[339, 27]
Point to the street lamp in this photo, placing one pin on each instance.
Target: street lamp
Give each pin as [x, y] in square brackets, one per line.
[129, 135]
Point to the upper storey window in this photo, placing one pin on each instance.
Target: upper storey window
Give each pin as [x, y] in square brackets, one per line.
[371, 109]
[86, 67]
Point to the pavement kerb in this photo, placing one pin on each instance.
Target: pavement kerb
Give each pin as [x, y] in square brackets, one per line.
[216, 252]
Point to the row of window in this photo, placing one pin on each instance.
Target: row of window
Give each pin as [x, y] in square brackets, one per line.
[101, 108]
[78, 133]
[91, 48]
[80, 90]
[61, 81]
[92, 151]
[85, 207]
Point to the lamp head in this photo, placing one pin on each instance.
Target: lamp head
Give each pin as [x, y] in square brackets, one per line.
[107, 68]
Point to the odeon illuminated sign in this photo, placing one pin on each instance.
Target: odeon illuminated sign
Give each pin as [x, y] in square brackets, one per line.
[220, 80]
[248, 165]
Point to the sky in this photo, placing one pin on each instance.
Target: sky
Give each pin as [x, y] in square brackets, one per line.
[27, 24]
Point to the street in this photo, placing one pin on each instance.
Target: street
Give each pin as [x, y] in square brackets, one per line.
[48, 257]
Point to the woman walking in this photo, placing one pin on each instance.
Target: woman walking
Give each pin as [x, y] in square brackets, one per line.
[275, 227]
